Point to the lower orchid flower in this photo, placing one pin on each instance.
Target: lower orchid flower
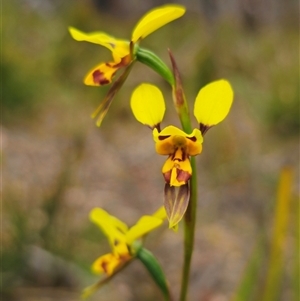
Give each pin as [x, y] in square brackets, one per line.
[121, 238]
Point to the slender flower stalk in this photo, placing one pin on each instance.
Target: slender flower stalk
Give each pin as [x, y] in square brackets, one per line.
[189, 232]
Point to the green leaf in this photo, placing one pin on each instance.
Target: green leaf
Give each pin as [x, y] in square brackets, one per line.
[155, 270]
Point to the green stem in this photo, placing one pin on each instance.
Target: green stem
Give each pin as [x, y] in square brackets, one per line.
[189, 232]
[190, 214]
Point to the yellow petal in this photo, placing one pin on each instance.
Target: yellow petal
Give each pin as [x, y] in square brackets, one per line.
[213, 102]
[106, 264]
[168, 165]
[168, 131]
[144, 225]
[112, 227]
[104, 219]
[155, 19]
[160, 213]
[174, 181]
[119, 48]
[101, 75]
[177, 173]
[120, 248]
[194, 143]
[148, 105]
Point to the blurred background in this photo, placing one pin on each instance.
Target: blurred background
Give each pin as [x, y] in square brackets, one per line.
[57, 165]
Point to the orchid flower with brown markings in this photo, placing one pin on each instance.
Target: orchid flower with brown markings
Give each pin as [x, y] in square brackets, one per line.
[212, 104]
[126, 52]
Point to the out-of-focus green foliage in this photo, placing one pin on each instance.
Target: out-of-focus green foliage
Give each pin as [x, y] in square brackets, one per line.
[267, 285]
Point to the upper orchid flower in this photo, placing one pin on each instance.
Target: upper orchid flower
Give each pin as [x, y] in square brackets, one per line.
[211, 107]
[122, 50]
[148, 107]
[125, 52]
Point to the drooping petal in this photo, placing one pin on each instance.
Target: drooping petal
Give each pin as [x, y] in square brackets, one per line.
[144, 225]
[101, 75]
[119, 48]
[176, 202]
[213, 102]
[148, 105]
[169, 198]
[106, 264]
[155, 19]
[112, 227]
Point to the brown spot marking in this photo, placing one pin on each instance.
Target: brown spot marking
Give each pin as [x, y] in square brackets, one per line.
[124, 61]
[104, 266]
[204, 128]
[182, 175]
[98, 78]
[194, 139]
[163, 137]
[167, 176]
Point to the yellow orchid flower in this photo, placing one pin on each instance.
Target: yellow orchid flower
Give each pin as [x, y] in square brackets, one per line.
[148, 106]
[122, 50]
[212, 104]
[121, 238]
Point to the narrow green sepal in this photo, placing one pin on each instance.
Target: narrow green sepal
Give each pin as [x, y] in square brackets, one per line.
[155, 270]
[154, 62]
